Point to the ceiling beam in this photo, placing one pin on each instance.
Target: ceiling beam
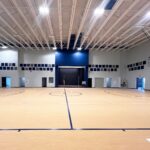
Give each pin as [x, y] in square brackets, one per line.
[26, 21]
[82, 21]
[6, 42]
[60, 22]
[11, 36]
[118, 4]
[139, 42]
[13, 31]
[39, 26]
[129, 35]
[51, 30]
[4, 37]
[9, 26]
[117, 49]
[22, 39]
[126, 43]
[74, 4]
[120, 42]
[114, 24]
[125, 24]
[123, 40]
[17, 24]
[136, 43]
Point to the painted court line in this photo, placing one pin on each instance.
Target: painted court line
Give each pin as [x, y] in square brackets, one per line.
[74, 129]
[68, 109]
[71, 125]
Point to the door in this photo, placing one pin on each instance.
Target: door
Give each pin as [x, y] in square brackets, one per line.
[44, 82]
[89, 82]
[3, 81]
[140, 83]
[22, 81]
[108, 82]
[6, 82]
[99, 82]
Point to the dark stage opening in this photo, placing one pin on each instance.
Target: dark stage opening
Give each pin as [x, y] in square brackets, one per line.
[71, 77]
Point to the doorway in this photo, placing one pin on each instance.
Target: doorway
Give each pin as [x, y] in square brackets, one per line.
[6, 82]
[22, 81]
[140, 83]
[44, 82]
[90, 82]
[108, 82]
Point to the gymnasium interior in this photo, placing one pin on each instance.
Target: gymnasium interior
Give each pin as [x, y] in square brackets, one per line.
[74, 74]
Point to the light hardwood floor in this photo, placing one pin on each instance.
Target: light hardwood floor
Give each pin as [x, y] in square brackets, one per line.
[89, 108]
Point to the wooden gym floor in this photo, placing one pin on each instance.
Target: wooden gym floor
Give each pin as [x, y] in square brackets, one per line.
[75, 118]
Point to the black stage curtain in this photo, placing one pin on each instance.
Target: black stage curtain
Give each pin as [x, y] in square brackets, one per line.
[71, 76]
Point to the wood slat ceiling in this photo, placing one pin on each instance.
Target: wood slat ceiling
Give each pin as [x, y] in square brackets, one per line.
[119, 29]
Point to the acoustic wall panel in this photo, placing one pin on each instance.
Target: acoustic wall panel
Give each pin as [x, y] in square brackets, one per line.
[136, 66]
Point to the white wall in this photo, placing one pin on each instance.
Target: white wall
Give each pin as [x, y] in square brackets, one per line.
[105, 58]
[9, 56]
[34, 78]
[134, 55]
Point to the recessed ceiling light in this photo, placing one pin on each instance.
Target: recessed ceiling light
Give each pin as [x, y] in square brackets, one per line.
[148, 139]
[4, 47]
[99, 12]
[148, 14]
[54, 48]
[44, 10]
[79, 48]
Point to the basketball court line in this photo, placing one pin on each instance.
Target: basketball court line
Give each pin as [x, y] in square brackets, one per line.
[75, 129]
[68, 109]
[71, 125]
